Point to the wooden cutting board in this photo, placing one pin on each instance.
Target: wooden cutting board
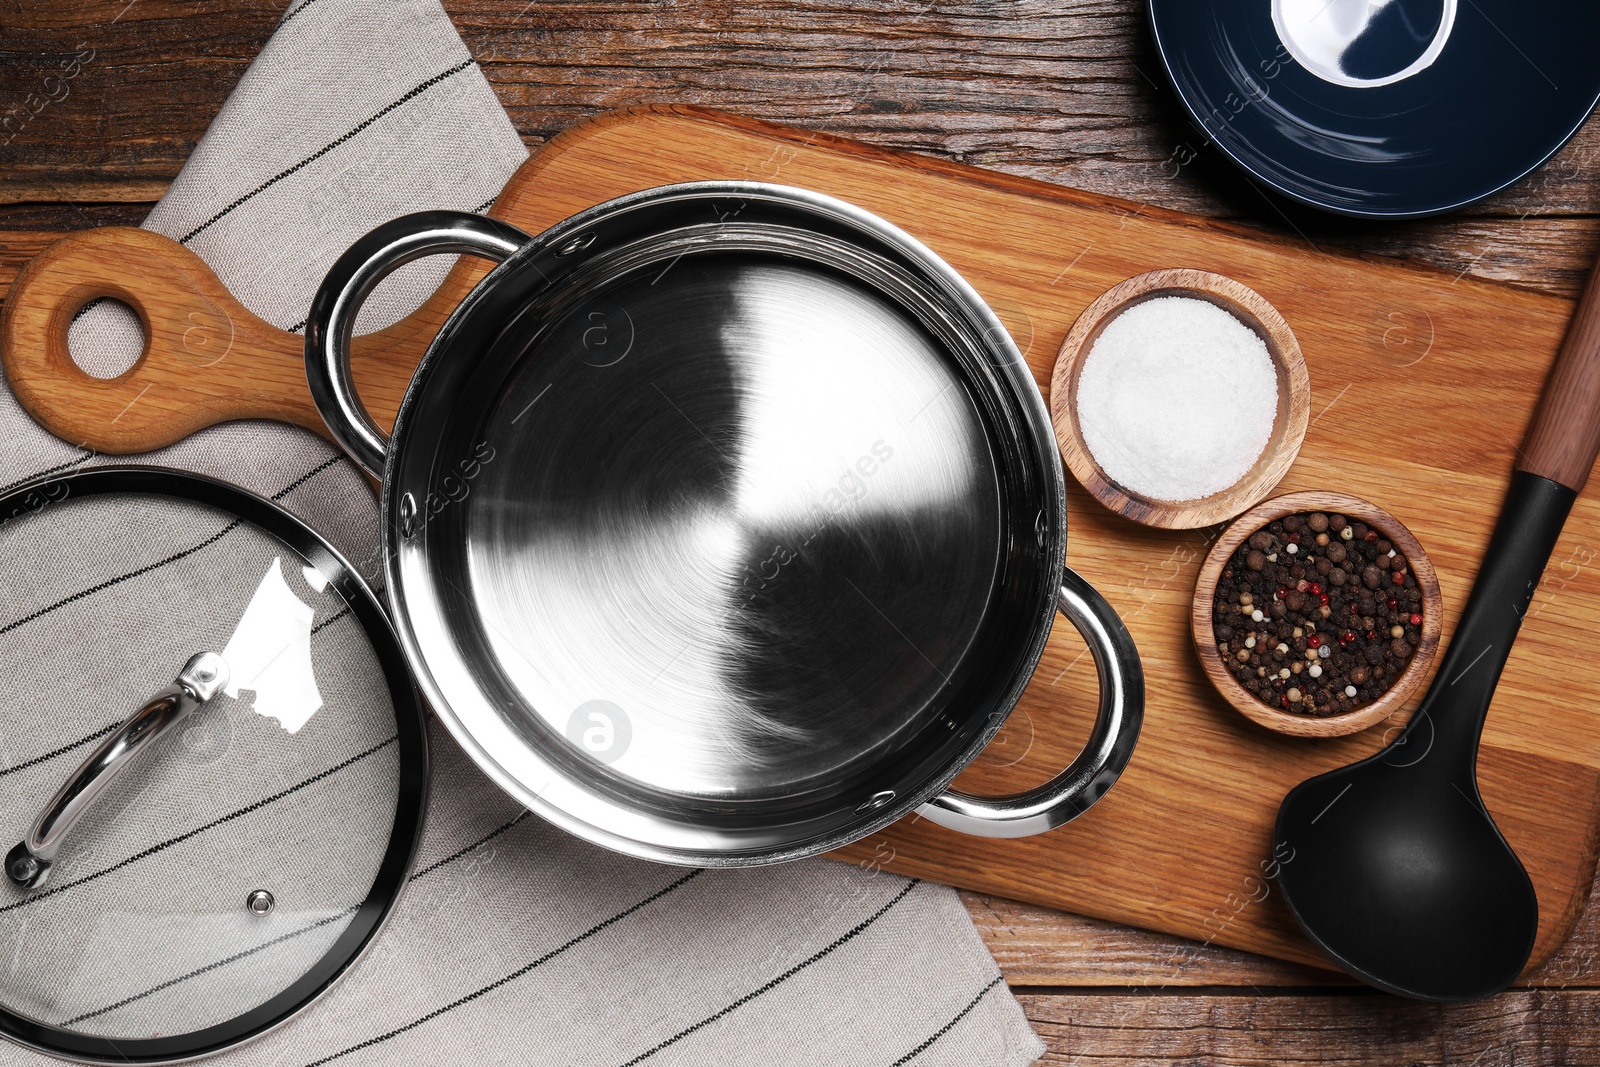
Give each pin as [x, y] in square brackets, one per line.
[1421, 385]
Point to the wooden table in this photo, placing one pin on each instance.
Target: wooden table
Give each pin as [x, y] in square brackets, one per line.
[1069, 91]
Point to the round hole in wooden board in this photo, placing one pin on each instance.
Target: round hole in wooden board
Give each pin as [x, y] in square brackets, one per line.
[107, 337]
[1289, 423]
[1293, 723]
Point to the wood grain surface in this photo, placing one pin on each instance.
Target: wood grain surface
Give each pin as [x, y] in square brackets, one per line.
[1246, 1030]
[1065, 92]
[1183, 844]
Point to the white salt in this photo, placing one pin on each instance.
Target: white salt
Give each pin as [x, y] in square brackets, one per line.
[1177, 398]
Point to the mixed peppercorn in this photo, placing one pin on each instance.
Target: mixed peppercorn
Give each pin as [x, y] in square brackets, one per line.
[1317, 614]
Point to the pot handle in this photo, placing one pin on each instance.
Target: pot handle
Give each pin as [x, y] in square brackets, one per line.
[1116, 730]
[351, 280]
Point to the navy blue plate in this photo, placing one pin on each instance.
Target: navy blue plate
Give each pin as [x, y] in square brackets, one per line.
[1384, 108]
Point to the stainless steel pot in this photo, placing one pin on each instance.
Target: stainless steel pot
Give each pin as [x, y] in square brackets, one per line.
[724, 524]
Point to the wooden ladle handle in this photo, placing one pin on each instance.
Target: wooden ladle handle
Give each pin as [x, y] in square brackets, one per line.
[1564, 437]
[206, 358]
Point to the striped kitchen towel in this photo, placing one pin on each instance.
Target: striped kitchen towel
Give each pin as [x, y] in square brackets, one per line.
[515, 943]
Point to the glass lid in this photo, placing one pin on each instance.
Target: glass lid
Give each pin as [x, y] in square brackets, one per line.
[212, 765]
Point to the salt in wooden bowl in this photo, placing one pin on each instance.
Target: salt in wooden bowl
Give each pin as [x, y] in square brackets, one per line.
[1289, 422]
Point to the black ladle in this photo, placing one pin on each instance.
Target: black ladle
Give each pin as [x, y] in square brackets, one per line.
[1395, 868]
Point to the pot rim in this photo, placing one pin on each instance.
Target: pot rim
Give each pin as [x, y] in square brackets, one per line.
[1022, 395]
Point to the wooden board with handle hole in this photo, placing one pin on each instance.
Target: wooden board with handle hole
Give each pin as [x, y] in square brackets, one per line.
[1421, 386]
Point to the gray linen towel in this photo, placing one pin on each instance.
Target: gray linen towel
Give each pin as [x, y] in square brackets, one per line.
[514, 943]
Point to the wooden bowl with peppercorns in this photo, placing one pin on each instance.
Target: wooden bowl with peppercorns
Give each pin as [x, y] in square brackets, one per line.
[1317, 614]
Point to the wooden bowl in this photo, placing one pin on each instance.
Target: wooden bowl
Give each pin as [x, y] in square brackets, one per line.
[1287, 722]
[1288, 427]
